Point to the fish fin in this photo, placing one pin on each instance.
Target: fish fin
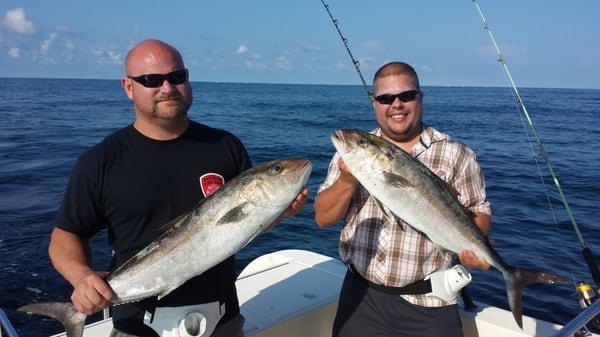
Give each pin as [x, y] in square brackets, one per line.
[167, 291]
[175, 223]
[233, 215]
[444, 251]
[65, 312]
[386, 212]
[396, 180]
[516, 279]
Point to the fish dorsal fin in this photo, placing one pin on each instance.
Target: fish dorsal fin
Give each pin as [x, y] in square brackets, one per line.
[396, 180]
[233, 215]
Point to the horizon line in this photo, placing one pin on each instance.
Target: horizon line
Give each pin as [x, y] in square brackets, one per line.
[311, 84]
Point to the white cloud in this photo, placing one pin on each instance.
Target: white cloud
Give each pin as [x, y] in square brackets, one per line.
[96, 52]
[115, 57]
[14, 52]
[426, 68]
[69, 44]
[16, 20]
[45, 45]
[283, 62]
[106, 55]
[241, 49]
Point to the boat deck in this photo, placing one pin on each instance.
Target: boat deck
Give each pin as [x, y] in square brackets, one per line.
[294, 293]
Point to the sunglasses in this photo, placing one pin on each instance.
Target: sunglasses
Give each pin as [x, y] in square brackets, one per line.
[157, 80]
[405, 96]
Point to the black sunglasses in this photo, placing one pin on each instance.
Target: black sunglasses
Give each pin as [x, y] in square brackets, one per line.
[405, 96]
[157, 80]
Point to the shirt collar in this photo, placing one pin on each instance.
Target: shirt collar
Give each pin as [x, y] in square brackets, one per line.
[428, 136]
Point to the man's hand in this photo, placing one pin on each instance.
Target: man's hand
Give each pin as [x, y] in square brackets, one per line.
[296, 206]
[345, 174]
[468, 259]
[92, 293]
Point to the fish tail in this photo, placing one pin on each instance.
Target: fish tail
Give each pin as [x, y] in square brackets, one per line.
[517, 279]
[65, 312]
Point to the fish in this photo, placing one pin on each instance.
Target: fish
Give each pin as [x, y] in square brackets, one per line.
[216, 228]
[404, 186]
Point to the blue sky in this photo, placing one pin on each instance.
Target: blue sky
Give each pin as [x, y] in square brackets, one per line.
[546, 43]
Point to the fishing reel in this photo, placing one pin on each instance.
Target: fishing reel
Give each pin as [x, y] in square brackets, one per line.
[587, 295]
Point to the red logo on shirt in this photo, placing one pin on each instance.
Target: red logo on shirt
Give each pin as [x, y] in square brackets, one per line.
[210, 183]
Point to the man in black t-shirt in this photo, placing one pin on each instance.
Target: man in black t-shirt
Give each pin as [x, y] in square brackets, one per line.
[139, 178]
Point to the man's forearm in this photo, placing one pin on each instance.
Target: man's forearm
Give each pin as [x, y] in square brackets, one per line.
[483, 221]
[332, 204]
[70, 255]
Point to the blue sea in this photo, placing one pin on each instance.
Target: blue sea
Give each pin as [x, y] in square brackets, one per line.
[46, 123]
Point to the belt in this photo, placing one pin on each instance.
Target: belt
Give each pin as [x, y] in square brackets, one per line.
[416, 288]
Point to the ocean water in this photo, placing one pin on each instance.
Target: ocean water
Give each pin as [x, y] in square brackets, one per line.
[45, 124]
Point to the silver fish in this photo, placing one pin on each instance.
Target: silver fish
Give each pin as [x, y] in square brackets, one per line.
[406, 187]
[216, 228]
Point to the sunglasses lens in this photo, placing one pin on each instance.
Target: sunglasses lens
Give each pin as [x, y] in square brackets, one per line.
[407, 96]
[177, 77]
[152, 80]
[385, 99]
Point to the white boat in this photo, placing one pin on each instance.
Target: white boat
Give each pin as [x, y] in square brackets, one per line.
[293, 293]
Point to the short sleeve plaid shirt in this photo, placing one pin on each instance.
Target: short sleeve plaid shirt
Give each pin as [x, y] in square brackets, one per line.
[394, 254]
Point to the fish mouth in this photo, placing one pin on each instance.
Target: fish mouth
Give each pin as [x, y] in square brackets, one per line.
[338, 135]
[305, 169]
[339, 140]
[300, 168]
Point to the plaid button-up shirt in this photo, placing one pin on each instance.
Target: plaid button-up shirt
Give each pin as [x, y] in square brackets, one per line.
[394, 254]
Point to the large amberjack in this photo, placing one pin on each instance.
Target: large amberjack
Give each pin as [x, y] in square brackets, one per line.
[213, 230]
[412, 192]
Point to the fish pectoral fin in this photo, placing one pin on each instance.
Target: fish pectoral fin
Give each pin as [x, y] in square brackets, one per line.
[444, 251]
[386, 212]
[167, 291]
[233, 215]
[396, 180]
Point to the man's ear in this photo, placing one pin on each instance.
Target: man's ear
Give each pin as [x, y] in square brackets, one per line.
[127, 85]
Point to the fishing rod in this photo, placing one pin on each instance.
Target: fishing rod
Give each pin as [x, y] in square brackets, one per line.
[587, 253]
[345, 41]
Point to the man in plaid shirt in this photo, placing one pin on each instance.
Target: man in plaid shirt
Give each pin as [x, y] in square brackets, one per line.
[388, 259]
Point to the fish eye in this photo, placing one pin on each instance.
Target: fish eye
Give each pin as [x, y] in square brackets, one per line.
[277, 169]
[361, 141]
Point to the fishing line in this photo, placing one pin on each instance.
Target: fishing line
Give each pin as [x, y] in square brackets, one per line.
[587, 253]
[345, 41]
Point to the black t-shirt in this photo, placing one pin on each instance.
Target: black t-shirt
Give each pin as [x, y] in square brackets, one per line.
[132, 185]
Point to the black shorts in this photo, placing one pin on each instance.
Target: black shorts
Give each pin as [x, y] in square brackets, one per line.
[363, 311]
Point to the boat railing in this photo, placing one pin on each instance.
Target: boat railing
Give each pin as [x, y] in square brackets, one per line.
[577, 323]
[6, 325]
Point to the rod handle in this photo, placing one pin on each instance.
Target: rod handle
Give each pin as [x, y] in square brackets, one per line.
[592, 265]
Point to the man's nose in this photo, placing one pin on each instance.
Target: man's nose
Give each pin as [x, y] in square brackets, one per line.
[167, 86]
[397, 103]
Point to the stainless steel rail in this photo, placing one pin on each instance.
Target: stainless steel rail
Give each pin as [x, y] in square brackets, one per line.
[7, 325]
[579, 321]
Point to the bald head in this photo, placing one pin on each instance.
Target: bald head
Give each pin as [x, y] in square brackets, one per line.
[152, 56]
[395, 69]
